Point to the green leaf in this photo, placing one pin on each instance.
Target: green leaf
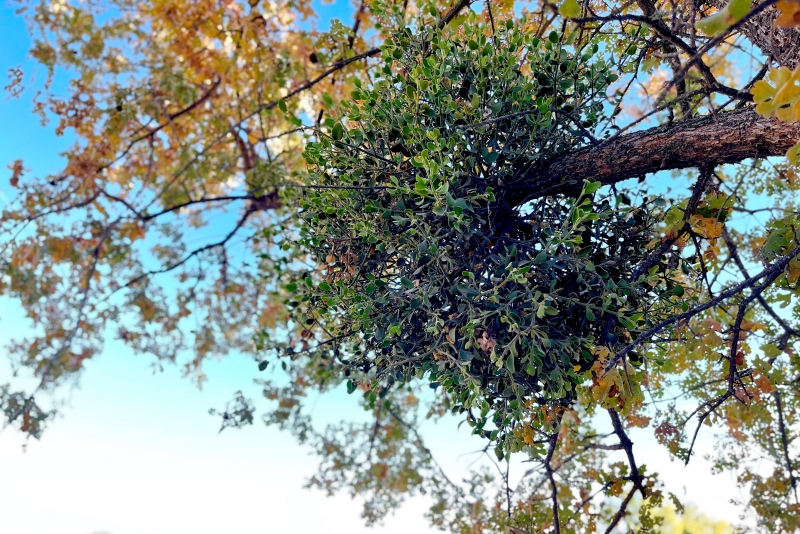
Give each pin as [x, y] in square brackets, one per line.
[591, 187]
[282, 105]
[770, 350]
[337, 132]
[262, 365]
[739, 8]
[715, 24]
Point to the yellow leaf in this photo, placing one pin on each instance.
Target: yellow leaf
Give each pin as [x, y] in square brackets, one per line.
[709, 227]
[570, 9]
[601, 352]
[777, 94]
[793, 155]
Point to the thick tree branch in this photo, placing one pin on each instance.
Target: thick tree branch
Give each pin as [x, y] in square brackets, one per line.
[709, 140]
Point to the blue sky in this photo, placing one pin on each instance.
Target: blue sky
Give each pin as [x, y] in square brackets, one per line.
[136, 451]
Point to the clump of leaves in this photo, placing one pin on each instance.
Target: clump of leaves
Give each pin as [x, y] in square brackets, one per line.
[426, 267]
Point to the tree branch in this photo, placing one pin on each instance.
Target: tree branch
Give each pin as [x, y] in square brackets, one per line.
[781, 44]
[770, 273]
[554, 489]
[785, 443]
[709, 140]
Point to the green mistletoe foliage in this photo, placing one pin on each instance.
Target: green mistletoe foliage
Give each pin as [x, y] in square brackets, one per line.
[427, 269]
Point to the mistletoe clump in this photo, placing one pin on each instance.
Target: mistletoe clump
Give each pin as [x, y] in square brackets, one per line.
[427, 269]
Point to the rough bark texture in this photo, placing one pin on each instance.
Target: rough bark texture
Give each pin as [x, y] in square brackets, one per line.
[781, 44]
[709, 140]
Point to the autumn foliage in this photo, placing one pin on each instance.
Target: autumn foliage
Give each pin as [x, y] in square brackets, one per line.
[443, 208]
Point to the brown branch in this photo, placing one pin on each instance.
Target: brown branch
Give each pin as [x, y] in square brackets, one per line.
[691, 206]
[549, 470]
[713, 405]
[785, 443]
[247, 213]
[621, 512]
[757, 292]
[719, 39]
[421, 444]
[671, 43]
[627, 446]
[780, 44]
[770, 273]
[734, 254]
[172, 116]
[143, 216]
[709, 140]
[339, 65]
[96, 253]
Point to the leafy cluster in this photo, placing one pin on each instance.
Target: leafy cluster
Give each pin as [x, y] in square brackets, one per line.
[428, 269]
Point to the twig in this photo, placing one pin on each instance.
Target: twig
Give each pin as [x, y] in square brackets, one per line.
[773, 269]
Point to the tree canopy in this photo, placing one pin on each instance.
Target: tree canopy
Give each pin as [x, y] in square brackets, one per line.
[556, 221]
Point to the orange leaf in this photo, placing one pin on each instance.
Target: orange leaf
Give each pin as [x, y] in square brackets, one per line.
[789, 14]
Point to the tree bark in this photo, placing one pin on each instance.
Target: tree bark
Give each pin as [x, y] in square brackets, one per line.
[709, 140]
[781, 44]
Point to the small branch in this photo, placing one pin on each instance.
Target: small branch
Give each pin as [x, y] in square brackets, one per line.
[84, 300]
[698, 189]
[194, 253]
[734, 253]
[785, 443]
[549, 470]
[421, 445]
[698, 56]
[771, 273]
[621, 512]
[627, 446]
